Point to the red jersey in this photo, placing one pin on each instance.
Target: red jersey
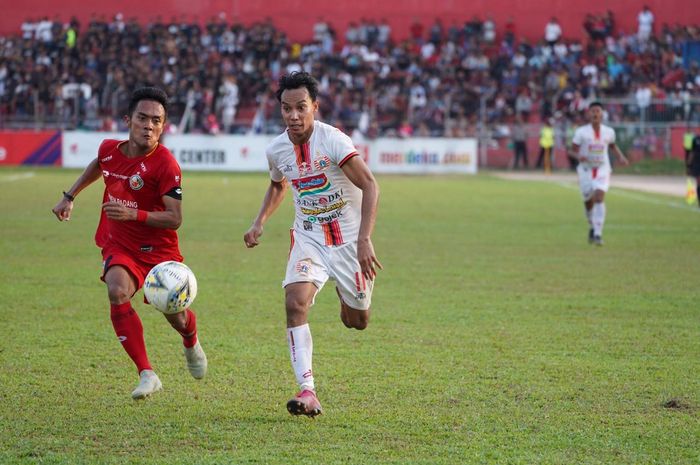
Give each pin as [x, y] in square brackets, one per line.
[138, 182]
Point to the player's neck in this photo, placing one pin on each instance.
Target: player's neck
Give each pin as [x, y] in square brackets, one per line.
[596, 127]
[132, 150]
[302, 138]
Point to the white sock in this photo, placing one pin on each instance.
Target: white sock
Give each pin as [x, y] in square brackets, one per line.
[300, 351]
[598, 217]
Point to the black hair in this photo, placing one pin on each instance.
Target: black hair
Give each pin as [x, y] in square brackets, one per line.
[148, 93]
[296, 80]
[595, 103]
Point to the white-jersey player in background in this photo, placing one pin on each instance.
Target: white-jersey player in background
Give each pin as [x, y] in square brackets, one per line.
[590, 145]
[335, 198]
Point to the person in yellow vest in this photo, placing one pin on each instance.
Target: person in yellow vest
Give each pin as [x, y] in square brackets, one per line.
[546, 146]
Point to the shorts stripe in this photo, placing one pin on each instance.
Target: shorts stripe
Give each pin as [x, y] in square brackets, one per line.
[327, 233]
[291, 243]
[357, 281]
[594, 172]
[336, 234]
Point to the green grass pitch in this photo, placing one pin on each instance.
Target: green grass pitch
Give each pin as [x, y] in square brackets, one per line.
[498, 334]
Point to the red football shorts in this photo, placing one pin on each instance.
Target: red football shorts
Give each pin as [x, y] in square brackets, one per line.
[113, 255]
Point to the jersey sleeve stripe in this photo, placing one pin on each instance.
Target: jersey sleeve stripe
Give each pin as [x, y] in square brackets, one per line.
[347, 157]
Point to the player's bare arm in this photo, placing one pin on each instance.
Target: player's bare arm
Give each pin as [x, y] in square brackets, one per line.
[619, 154]
[273, 197]
[576, 150]
[359, 174]
[64, 207]
[170, 218]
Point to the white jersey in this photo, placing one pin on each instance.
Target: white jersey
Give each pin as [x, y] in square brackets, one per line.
[327, 203]
[594, 147]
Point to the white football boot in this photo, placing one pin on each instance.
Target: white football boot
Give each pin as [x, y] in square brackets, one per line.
[196, 361]
[148, 384]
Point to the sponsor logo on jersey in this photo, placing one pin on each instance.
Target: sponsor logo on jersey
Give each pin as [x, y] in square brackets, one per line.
[143, 167]
[107, 174]
[326, 219]
[126, 203]
[308, 226]
[311, 185]
[107, 158]
[136, 182]
[322, 163]
[323, 209]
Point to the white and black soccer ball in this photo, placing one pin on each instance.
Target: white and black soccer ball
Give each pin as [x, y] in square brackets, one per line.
[170, 287]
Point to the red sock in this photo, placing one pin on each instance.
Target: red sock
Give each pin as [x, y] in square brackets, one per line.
[189, 335]
[129, 329]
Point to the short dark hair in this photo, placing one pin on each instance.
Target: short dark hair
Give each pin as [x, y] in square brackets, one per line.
[148, 93]
[595, 103]
[296, 80]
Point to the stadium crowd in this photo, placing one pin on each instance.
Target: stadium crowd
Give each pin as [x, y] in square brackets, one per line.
[221, 76]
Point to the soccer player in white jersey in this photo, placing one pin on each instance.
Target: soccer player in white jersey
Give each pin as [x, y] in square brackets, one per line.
[590, 145]
[335, 197]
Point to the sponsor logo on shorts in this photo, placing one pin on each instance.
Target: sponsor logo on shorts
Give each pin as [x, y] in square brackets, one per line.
[136, 182]
[360, 296]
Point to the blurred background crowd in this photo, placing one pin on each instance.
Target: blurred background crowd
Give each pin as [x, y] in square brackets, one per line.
[443, 80]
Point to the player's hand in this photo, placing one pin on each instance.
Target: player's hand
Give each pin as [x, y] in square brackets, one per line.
[63, 209]
[624, 160]
[118, 212]
[252, 235]
[367, 259]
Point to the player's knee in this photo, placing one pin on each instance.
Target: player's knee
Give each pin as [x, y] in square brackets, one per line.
[296, 306]
[118, 293]
[358, 319]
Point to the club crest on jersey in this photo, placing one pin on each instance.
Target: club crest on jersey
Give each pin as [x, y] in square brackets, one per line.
[311, 185]
[322, 163]
[136, 182]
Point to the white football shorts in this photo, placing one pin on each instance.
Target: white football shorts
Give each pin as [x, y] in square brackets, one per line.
[591, 179]
[312, 262]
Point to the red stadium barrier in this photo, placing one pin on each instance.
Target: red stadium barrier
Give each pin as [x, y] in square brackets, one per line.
[30, 147]
[297, 18]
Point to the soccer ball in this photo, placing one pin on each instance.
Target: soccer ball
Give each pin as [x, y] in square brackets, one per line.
[170, 287]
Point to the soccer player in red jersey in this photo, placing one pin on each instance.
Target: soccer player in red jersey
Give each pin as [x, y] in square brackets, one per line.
[141, 211]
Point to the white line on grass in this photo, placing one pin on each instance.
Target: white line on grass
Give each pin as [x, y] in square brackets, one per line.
[641, 198]
[17, 177]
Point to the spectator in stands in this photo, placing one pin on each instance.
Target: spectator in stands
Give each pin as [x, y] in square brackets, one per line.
[645, 20]
[552, 32]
